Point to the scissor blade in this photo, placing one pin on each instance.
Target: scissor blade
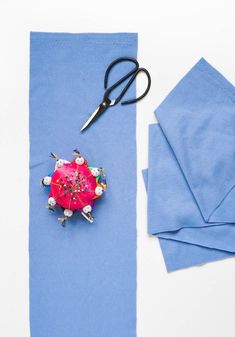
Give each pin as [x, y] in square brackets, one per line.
[92, 116]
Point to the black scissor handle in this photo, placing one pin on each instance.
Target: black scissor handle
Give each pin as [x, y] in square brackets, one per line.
[134, 100]
[131, 74]
[119, 60]
[123, 79]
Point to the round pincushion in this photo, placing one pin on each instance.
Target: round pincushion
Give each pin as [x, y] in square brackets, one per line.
[74, 186]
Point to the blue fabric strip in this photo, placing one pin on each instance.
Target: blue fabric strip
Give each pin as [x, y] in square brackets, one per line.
[191, 172]
[82, 277]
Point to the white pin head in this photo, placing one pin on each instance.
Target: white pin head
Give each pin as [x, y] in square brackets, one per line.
[51, 201]
[68, 213]
[86, 209]
[95, 171]
[99, 190]
[46, 181]
[59, 163]
[80, 160]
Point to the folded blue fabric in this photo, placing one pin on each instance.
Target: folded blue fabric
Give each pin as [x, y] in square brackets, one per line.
[82, 277]
[191, 175]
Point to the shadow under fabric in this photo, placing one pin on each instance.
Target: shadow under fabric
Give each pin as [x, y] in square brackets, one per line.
[191, 175]
[82, 277]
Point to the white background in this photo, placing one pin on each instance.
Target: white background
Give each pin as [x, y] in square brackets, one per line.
[173, 35]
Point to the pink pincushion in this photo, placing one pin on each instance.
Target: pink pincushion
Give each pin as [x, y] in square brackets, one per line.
[74, 186]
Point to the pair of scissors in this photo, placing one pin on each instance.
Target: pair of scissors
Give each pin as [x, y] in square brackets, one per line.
[107, 102]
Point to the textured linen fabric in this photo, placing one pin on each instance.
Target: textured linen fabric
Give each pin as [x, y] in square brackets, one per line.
[82, 277]
[191, 175]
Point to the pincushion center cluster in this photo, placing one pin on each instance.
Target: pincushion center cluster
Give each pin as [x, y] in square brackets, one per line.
[73, 186]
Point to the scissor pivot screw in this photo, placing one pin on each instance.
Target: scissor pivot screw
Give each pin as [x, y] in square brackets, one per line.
[104, 103]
